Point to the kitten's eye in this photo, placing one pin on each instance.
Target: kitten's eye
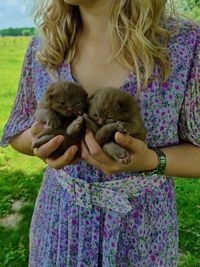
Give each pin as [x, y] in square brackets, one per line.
[110, 120]
[109, 117]
[95, 115]
[62, 103]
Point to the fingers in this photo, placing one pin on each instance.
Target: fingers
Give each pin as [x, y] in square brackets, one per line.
[91, 143]
[129, 142]
[85, 154]
[94, 155]
[45, 150]
[94, 148]
[63, 160]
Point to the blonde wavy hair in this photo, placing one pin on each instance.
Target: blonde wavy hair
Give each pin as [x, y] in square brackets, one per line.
[139, 40]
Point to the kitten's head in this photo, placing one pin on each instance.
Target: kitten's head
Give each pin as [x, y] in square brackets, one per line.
[66, 98]
[109, 105]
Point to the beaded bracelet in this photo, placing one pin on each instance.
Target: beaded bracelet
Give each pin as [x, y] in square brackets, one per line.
[162, 162]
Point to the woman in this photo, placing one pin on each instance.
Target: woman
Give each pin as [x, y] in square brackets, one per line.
[135, 46]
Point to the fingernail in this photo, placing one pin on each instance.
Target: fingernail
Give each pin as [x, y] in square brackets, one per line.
[74, 149]
[33, 125]
[60, 139]
[119, 136]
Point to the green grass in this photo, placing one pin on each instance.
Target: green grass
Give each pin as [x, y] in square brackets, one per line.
[20, 175]
[20, 178]
[188, 206]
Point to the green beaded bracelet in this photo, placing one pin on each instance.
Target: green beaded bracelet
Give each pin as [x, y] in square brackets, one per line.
[162, 162]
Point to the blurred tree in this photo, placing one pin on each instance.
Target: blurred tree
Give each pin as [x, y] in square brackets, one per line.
[26, 32]
[190, 8]
[193, 3]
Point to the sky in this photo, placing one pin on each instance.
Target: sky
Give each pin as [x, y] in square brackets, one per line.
[12, 14]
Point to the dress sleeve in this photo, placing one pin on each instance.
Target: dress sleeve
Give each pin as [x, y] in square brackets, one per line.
[189, 123]
[22, 113]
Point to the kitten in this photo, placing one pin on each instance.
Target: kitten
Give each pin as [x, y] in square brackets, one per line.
[61, 110]
[111, 110]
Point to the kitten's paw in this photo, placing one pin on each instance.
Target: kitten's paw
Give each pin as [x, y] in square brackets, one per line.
[79, 122]
[101, 138]
[124, 158]
[54, 122]
[75, 127]
[121, 126]
[42, 140]
[117, 152]
[85, 116]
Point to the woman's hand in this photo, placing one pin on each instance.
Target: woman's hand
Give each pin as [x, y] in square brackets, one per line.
[142, 158]
[44, 151]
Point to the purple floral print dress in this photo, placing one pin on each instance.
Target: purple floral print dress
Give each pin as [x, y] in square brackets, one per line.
[83, 218]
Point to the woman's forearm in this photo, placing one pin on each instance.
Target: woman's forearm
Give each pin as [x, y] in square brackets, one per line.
[182, 160]
[22, 142]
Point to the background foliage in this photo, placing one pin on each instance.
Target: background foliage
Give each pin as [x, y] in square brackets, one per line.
[190, 8]
[18, 32]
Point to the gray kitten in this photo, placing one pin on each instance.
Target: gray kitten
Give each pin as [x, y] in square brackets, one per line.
[61, 110]
[111, 110]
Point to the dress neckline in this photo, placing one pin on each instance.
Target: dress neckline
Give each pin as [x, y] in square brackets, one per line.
[130, 77]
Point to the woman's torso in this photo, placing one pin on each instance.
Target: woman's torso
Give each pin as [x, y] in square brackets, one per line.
[160, 103]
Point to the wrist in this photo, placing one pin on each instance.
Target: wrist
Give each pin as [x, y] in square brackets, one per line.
[22, 142]
[160, 166]
[152, 162]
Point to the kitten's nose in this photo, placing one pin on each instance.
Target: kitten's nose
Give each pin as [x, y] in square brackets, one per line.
[100, 121]
[69, 109]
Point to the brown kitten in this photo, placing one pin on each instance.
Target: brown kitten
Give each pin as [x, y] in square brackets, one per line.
[111, 110]
[61, 108]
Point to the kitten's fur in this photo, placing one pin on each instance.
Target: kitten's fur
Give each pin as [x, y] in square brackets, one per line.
[61, 109]
[111, 110]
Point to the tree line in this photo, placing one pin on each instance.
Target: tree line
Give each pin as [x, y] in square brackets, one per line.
[18, 32]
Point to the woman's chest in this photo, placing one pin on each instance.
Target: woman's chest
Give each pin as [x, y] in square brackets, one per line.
[93, 76]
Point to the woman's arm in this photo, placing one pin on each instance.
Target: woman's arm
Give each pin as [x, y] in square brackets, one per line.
[23, 144]
[182, 160]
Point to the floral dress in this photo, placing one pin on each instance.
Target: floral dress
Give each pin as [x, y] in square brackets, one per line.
[83, 218]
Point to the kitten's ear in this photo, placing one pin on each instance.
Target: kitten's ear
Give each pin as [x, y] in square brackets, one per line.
[123, 106]
[90, 97]
[49, 93]
[77, 87]
[86, 94]
[83, 90]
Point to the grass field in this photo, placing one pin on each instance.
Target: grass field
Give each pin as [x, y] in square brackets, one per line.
[20, 178]
[20, 175]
